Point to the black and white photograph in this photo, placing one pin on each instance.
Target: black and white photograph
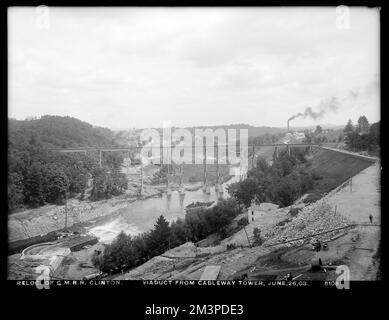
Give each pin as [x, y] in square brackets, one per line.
[179, 146]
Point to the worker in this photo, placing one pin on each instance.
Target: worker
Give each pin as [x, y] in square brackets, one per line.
[371, 218]
[314, 244]
[318, 247]
[289, 277]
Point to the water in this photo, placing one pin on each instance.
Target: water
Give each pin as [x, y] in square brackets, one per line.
[107, 232]
[141, 215]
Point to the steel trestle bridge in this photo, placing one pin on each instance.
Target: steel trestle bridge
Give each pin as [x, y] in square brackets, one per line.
[251, 148]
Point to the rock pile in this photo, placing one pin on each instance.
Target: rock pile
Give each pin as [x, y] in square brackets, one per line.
[312, 219]
[190, 250]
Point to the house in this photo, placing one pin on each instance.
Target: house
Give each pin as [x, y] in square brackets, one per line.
[256, 211]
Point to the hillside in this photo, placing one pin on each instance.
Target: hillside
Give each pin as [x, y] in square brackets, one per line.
[332, 168]
[57, 131]
[252, 130]
[36, 175]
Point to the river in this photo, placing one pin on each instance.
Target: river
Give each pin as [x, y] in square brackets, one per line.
[141, 215]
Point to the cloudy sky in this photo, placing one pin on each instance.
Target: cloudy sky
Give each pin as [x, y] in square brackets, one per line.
[139, 67]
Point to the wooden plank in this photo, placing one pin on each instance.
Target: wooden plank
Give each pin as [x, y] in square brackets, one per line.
[210, 273]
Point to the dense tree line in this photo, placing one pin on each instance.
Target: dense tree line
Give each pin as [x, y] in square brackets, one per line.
[322, 136]
[362, 136]
[282, 182]
[128, 251]
[266, 138]
[57, 131]
[37, 175]
[107, 183]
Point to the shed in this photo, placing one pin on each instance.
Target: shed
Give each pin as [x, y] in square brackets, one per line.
[256, 211]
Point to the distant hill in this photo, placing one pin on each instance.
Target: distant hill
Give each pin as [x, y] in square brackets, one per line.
[252, 130]
[58, 131]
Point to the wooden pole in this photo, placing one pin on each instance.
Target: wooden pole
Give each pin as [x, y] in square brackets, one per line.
[248, 240]
[100, 158]
[217, 165]
[254, 157]
[66, 216]
[205, 164]
[141, 177]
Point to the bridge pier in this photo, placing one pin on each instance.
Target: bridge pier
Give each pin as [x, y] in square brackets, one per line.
[181, 188]
[141, 178]
[205, 182]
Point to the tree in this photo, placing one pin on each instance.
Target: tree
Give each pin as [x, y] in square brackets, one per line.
[308, 136]
[160, 236]
[100, 184]
[257, 237]
[374, 135]
[349, 127]
[221, 215]
[196, 224]
[286, 191]
[179, 232]
[262, 165]
[318, 130]
[107, 183]
[34, 185]
[244, 191]
[118, 255]
[78, 177]
[363, 125]
[15, 190]
[56, 185]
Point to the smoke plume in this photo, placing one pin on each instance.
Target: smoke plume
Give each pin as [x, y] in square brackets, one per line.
[331, 104]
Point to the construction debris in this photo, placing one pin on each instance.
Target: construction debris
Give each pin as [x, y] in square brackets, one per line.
[311, 220]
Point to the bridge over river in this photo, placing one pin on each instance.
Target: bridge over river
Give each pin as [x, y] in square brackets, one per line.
[239, 168]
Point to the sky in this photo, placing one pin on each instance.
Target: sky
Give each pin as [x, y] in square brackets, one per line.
[140, 67]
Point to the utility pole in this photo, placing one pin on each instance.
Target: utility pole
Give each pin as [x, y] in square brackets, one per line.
[100, 158]
[168, 170]
[141, 176]
[248, 240]
[254, 164]
[66, 216]
[182, 178]
[217, 168]
[205, 165]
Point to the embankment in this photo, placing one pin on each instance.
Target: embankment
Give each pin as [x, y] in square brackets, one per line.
[44, 220]
[333, 167]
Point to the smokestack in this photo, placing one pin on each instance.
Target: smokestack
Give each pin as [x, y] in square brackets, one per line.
[287, 126]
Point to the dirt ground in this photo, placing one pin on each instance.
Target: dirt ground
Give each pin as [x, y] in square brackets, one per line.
[78, 264]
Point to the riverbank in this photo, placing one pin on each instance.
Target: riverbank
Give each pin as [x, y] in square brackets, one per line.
[76, 213]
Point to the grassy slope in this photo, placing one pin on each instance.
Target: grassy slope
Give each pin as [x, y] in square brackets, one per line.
[335, 168]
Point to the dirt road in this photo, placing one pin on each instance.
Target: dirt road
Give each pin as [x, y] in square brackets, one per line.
[357, 201]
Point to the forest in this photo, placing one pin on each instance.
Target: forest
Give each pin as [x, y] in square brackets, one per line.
[38, 175]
